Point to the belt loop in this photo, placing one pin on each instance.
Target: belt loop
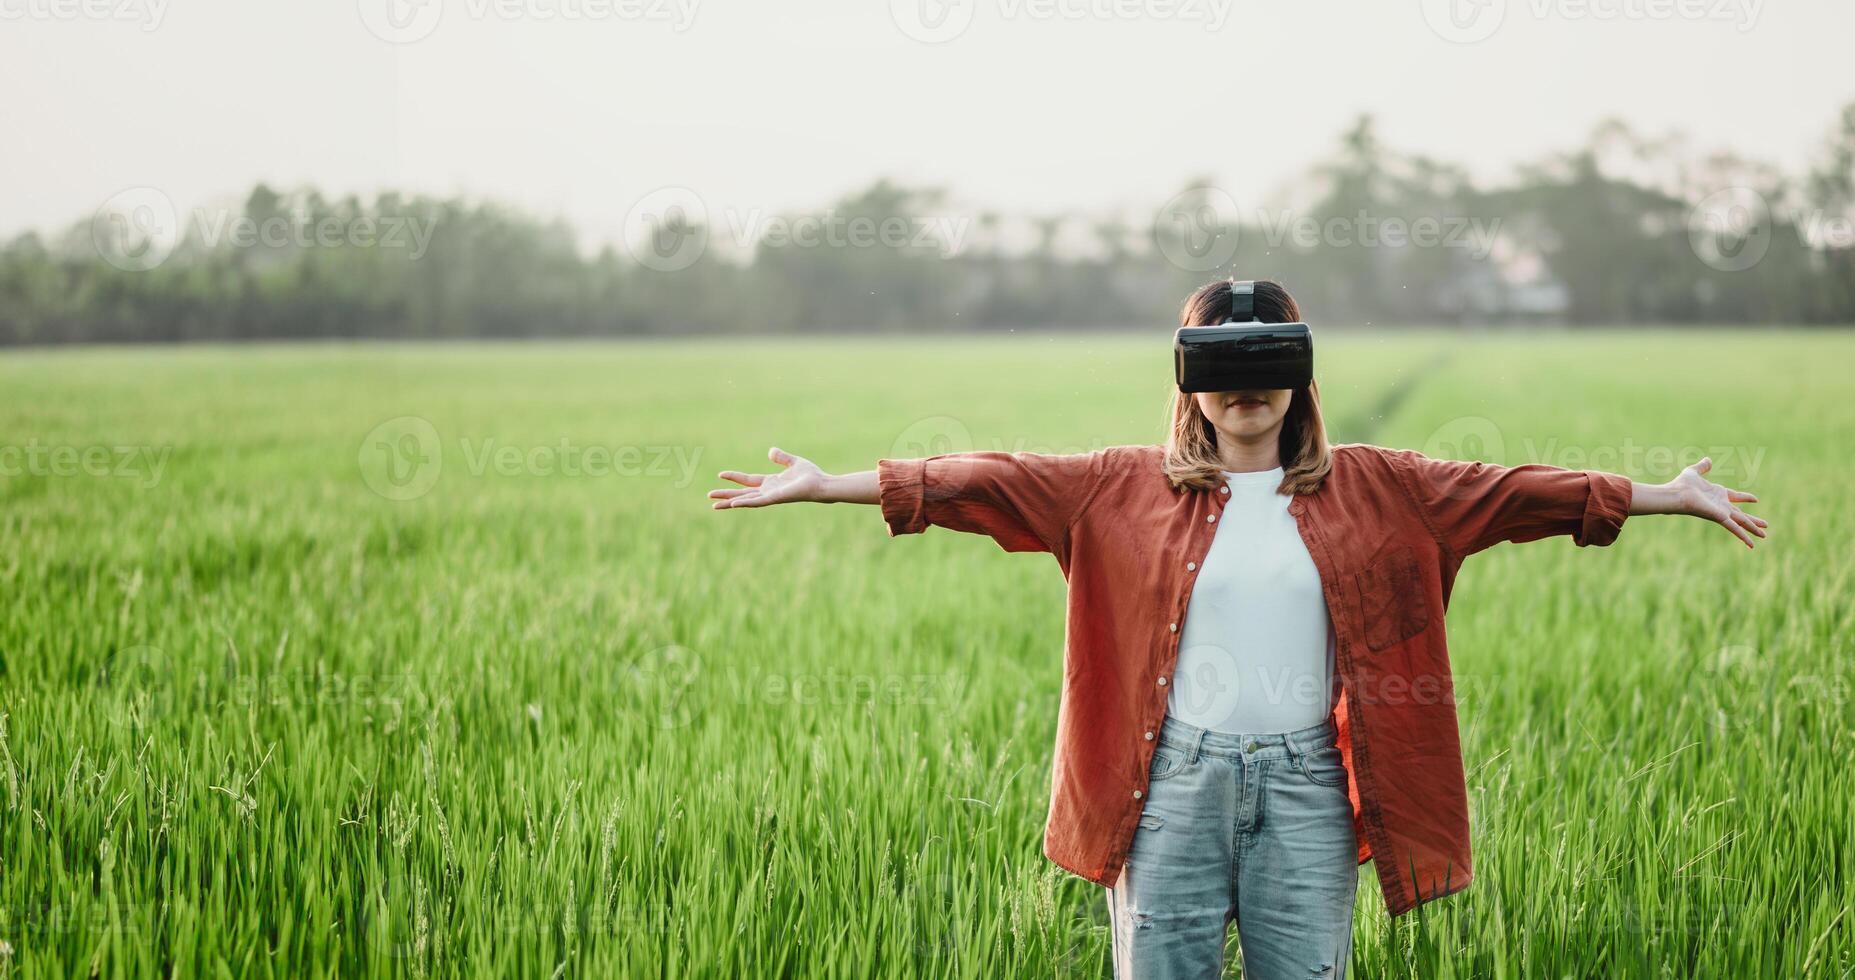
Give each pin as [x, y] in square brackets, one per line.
[1295, 754]
[1197, 742]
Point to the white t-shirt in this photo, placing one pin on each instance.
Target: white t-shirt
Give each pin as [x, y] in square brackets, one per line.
[1256, 654]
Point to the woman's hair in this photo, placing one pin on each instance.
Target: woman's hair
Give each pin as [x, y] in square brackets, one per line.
[1191, 444]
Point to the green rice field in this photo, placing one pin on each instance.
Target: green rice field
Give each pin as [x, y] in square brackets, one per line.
[433, 661]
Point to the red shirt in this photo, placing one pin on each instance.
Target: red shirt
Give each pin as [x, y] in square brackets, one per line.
[1387, 530]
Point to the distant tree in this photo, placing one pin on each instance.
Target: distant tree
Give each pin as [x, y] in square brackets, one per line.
[1608, 232]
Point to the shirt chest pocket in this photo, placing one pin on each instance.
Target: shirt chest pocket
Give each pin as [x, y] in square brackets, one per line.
[1392, 603]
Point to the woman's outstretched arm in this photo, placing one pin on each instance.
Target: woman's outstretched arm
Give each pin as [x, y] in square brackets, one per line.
[799, 479]
[1472, 505]
[1024, 501]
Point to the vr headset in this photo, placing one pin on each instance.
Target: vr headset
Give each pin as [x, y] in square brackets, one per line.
[1243, 352]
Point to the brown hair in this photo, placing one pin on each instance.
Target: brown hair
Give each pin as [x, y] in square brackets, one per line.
[1191, 443]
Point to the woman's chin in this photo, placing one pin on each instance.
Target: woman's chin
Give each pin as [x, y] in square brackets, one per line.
[1246, 430]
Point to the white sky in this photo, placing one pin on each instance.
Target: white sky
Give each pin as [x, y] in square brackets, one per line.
[1036, 105]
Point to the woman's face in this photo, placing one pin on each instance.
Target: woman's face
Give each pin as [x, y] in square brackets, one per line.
[1246, 416]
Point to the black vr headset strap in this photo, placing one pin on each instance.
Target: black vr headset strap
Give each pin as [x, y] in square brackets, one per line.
[1242, 301]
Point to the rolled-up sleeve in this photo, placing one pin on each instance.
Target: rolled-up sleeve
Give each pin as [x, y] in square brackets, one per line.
[1024, 501]
[901, 484]
[1605, 508]
[1471, 506]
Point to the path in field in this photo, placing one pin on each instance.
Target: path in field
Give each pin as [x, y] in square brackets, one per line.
[1364, 424]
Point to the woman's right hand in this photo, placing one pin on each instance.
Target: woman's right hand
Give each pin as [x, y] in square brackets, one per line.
[798, 479]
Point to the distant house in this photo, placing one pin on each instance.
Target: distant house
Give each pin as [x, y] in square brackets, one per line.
[1493, 291]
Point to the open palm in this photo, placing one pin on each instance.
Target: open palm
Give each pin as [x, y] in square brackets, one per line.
[799, 479]
[1717, 503]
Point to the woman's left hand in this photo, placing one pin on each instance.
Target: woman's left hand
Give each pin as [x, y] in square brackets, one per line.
[1693, 494]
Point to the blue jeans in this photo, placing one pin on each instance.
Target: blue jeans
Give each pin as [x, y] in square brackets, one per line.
[1255, 828]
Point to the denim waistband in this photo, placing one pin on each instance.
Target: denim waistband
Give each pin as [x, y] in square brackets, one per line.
[1277, 745]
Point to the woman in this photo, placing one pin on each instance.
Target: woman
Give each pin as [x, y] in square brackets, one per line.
[1256, 690]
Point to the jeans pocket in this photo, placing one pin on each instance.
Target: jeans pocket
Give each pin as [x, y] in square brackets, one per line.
[1324, 766]
[1167, 762]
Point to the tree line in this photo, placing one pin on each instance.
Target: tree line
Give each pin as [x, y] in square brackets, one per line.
[1624, 229]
